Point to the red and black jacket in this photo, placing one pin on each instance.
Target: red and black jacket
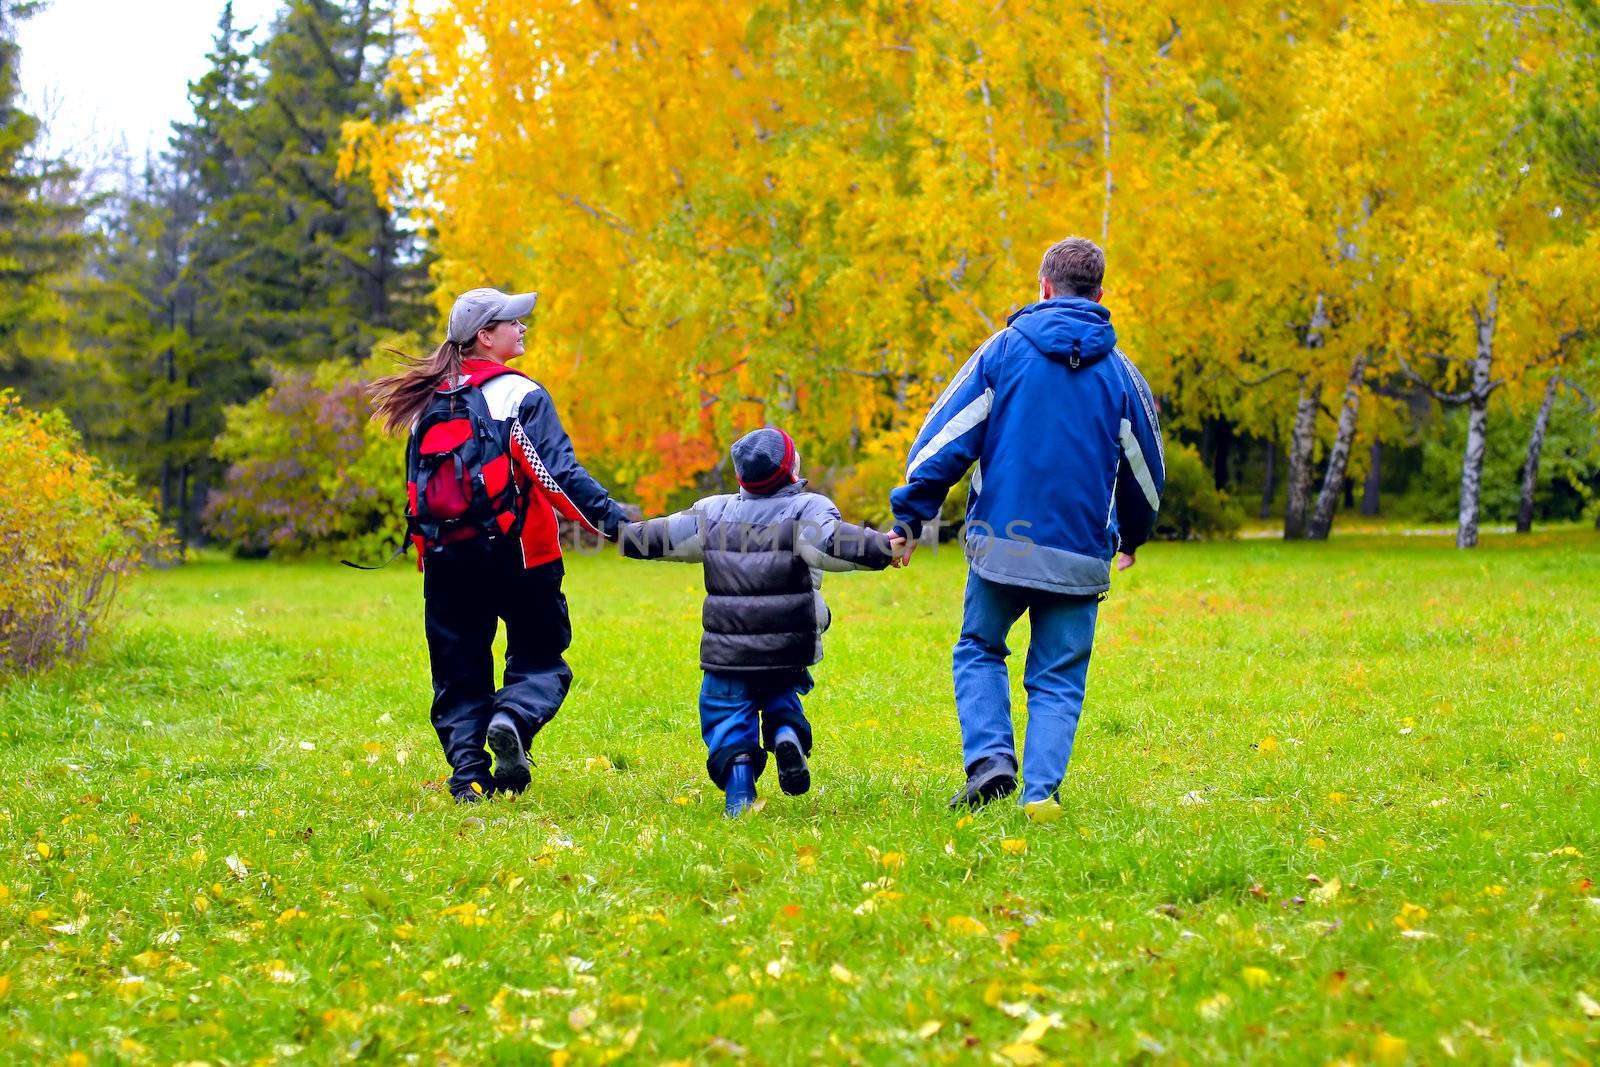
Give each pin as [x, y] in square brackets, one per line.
[552, 481]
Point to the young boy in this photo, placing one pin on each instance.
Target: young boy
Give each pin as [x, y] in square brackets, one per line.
[764, 550]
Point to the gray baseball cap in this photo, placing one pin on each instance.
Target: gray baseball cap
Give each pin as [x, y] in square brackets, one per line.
[477, 308]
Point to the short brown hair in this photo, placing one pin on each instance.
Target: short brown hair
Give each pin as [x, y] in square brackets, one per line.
[1074, 267]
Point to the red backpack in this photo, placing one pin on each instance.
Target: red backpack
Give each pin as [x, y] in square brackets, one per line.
[461, 494]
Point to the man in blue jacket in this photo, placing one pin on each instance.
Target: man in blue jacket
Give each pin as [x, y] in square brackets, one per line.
[1070, 470]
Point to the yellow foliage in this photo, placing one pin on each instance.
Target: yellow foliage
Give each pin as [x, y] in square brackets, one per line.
[70, 530]
[745, 212]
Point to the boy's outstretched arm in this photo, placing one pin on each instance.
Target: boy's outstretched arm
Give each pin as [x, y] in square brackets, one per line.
[825, 541]
[678, 538]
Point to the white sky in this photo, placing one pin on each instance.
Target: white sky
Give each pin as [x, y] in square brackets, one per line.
[102, 72]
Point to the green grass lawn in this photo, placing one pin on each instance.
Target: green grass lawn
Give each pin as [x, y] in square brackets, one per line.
[1327, 801]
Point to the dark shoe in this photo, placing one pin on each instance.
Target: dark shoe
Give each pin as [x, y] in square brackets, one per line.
[741, 788]
[510, 759]
[469, 795]
[794, 777]
[513, 782]
[990, 779]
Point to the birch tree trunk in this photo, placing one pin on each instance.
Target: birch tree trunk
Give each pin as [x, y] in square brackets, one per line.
[1304, 436]
[1530, 467]
[1478, 420]
[1105, 123]
[1339, 455]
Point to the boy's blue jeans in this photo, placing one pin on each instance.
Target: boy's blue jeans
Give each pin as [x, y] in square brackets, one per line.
[741, 713]
[1057, 668]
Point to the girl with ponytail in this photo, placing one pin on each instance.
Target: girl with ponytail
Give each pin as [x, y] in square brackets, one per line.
[490, 469]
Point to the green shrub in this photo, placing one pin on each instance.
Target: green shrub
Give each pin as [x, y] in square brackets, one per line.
[70, 529]
[1569, 465]
[309, 471]
[1192, 507]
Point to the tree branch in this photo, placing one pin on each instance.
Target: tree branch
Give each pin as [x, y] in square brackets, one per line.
[600, 214]
[1438, 394]
[1253, 382]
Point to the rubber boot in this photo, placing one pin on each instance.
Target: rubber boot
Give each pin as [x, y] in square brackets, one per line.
[741, 788]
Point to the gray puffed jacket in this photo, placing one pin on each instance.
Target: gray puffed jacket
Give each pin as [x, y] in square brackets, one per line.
[764, 557]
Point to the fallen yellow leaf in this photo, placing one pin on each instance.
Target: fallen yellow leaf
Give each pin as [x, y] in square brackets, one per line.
[1327, 892]
[965, 924]
[1214, 1007]
[1589, 1005]
[1022, 1054]
[1267, 744]
[842, 974]
[1388, 1049]
[1256, 977]
[1016, 846]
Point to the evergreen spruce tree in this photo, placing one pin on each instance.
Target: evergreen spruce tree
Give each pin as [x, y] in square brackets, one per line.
[322, 269]
[41, 235]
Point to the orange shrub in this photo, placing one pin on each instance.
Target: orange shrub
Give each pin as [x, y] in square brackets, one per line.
[69, 530]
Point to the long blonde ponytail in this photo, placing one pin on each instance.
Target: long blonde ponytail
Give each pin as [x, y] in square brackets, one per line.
[399, 398]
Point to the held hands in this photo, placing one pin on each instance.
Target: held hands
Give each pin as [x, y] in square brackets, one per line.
[901, 548]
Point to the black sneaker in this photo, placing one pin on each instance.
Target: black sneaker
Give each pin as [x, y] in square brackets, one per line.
[794, 776]
[511, 773]
[988, 780]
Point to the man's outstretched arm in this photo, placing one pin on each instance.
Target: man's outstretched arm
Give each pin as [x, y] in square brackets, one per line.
[950, 440]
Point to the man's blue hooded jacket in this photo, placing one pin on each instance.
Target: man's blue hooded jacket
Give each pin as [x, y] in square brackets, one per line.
[1070, 462]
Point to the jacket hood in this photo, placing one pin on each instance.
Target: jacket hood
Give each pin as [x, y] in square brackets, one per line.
[1070, 330]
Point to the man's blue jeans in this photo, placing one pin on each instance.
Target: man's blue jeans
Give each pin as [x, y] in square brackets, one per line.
[1057, 668]
[741, 713]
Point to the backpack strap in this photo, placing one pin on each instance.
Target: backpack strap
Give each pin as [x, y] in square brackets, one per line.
[404, 541]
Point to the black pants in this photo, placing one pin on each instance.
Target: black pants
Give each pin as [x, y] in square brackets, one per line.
[463, 601]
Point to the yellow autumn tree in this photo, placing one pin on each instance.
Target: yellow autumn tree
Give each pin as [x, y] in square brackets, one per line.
[809, 213]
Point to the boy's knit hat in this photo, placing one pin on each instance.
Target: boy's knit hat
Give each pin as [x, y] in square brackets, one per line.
[764, 460]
